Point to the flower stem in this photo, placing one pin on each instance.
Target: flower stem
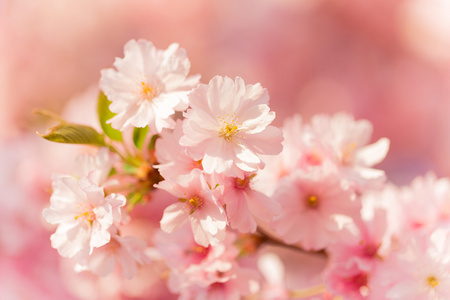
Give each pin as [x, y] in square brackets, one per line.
[307, 292]
[266, 238]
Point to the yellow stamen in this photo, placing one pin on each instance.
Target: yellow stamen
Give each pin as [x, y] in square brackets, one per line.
[229, 128]
[432, 281]
[312, 201]
[148, 91]
[244, 183]
[193, 203]
[86, 216]
[198, 249]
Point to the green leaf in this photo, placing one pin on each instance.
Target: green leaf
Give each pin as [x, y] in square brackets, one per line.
[133, 199]
[139, 136]
[151, 145]
[74, 134]
[112, 172]
[130, 169]
[104, 114]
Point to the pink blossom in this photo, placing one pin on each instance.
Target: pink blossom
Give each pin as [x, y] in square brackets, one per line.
[96, 167]
[198, 205]
[171, 156]
[128, 252]
[245, 205]
[352, 261]
[302, 143]
[349, 139]
[284, 163]
[418, 270]
[302, 149]
[204, 272]
[83, 215]
[146, 283]
[350, 283]
[230, 285]
[421, 206]
[148, 86]
[314, 209]
[181, 250]
[427, 198]
[228, 127]
[387, 202]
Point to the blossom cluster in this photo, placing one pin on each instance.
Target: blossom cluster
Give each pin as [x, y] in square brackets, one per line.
[236, 189]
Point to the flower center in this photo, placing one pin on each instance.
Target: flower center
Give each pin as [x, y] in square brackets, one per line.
[149, 91]
[229, 127]
[196, 164]
[199, 250]
[244, 183]
[347, 153]
[86, 215]
[313, 159]
[193, 203]
[359, 280]
[432, 281]
[312, 201]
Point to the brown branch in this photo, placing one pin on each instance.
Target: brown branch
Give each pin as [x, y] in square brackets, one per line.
[267, 239]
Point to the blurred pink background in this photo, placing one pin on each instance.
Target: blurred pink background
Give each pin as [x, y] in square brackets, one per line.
[386, 61]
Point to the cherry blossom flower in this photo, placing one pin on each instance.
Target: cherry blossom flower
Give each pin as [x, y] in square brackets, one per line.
[245, 205]
[148, 86]
[83, 215]
[96, 167]
[418, 270]
[128, 252]
[302, 149]
[198, 272]
[232, 284]
[421, 206]
[182, 251]
[428, 197]
[352, 261]
[348, 140]
[198, 205]
[228, 127]
[314, 209]
[171, 156]
[351, 283]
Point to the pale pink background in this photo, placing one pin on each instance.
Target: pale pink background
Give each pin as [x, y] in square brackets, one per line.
[387, 61]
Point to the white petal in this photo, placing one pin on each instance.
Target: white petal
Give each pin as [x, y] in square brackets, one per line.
[374, 153]
[174, 217]
[102, 263]
[245, 154]
[272, 268]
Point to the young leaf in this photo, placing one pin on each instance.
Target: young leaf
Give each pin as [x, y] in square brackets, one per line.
[74, 134]
[130, 169]
[104, 114]
[139, 136]
[151, 145]
[133, 199]
[50, 115]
